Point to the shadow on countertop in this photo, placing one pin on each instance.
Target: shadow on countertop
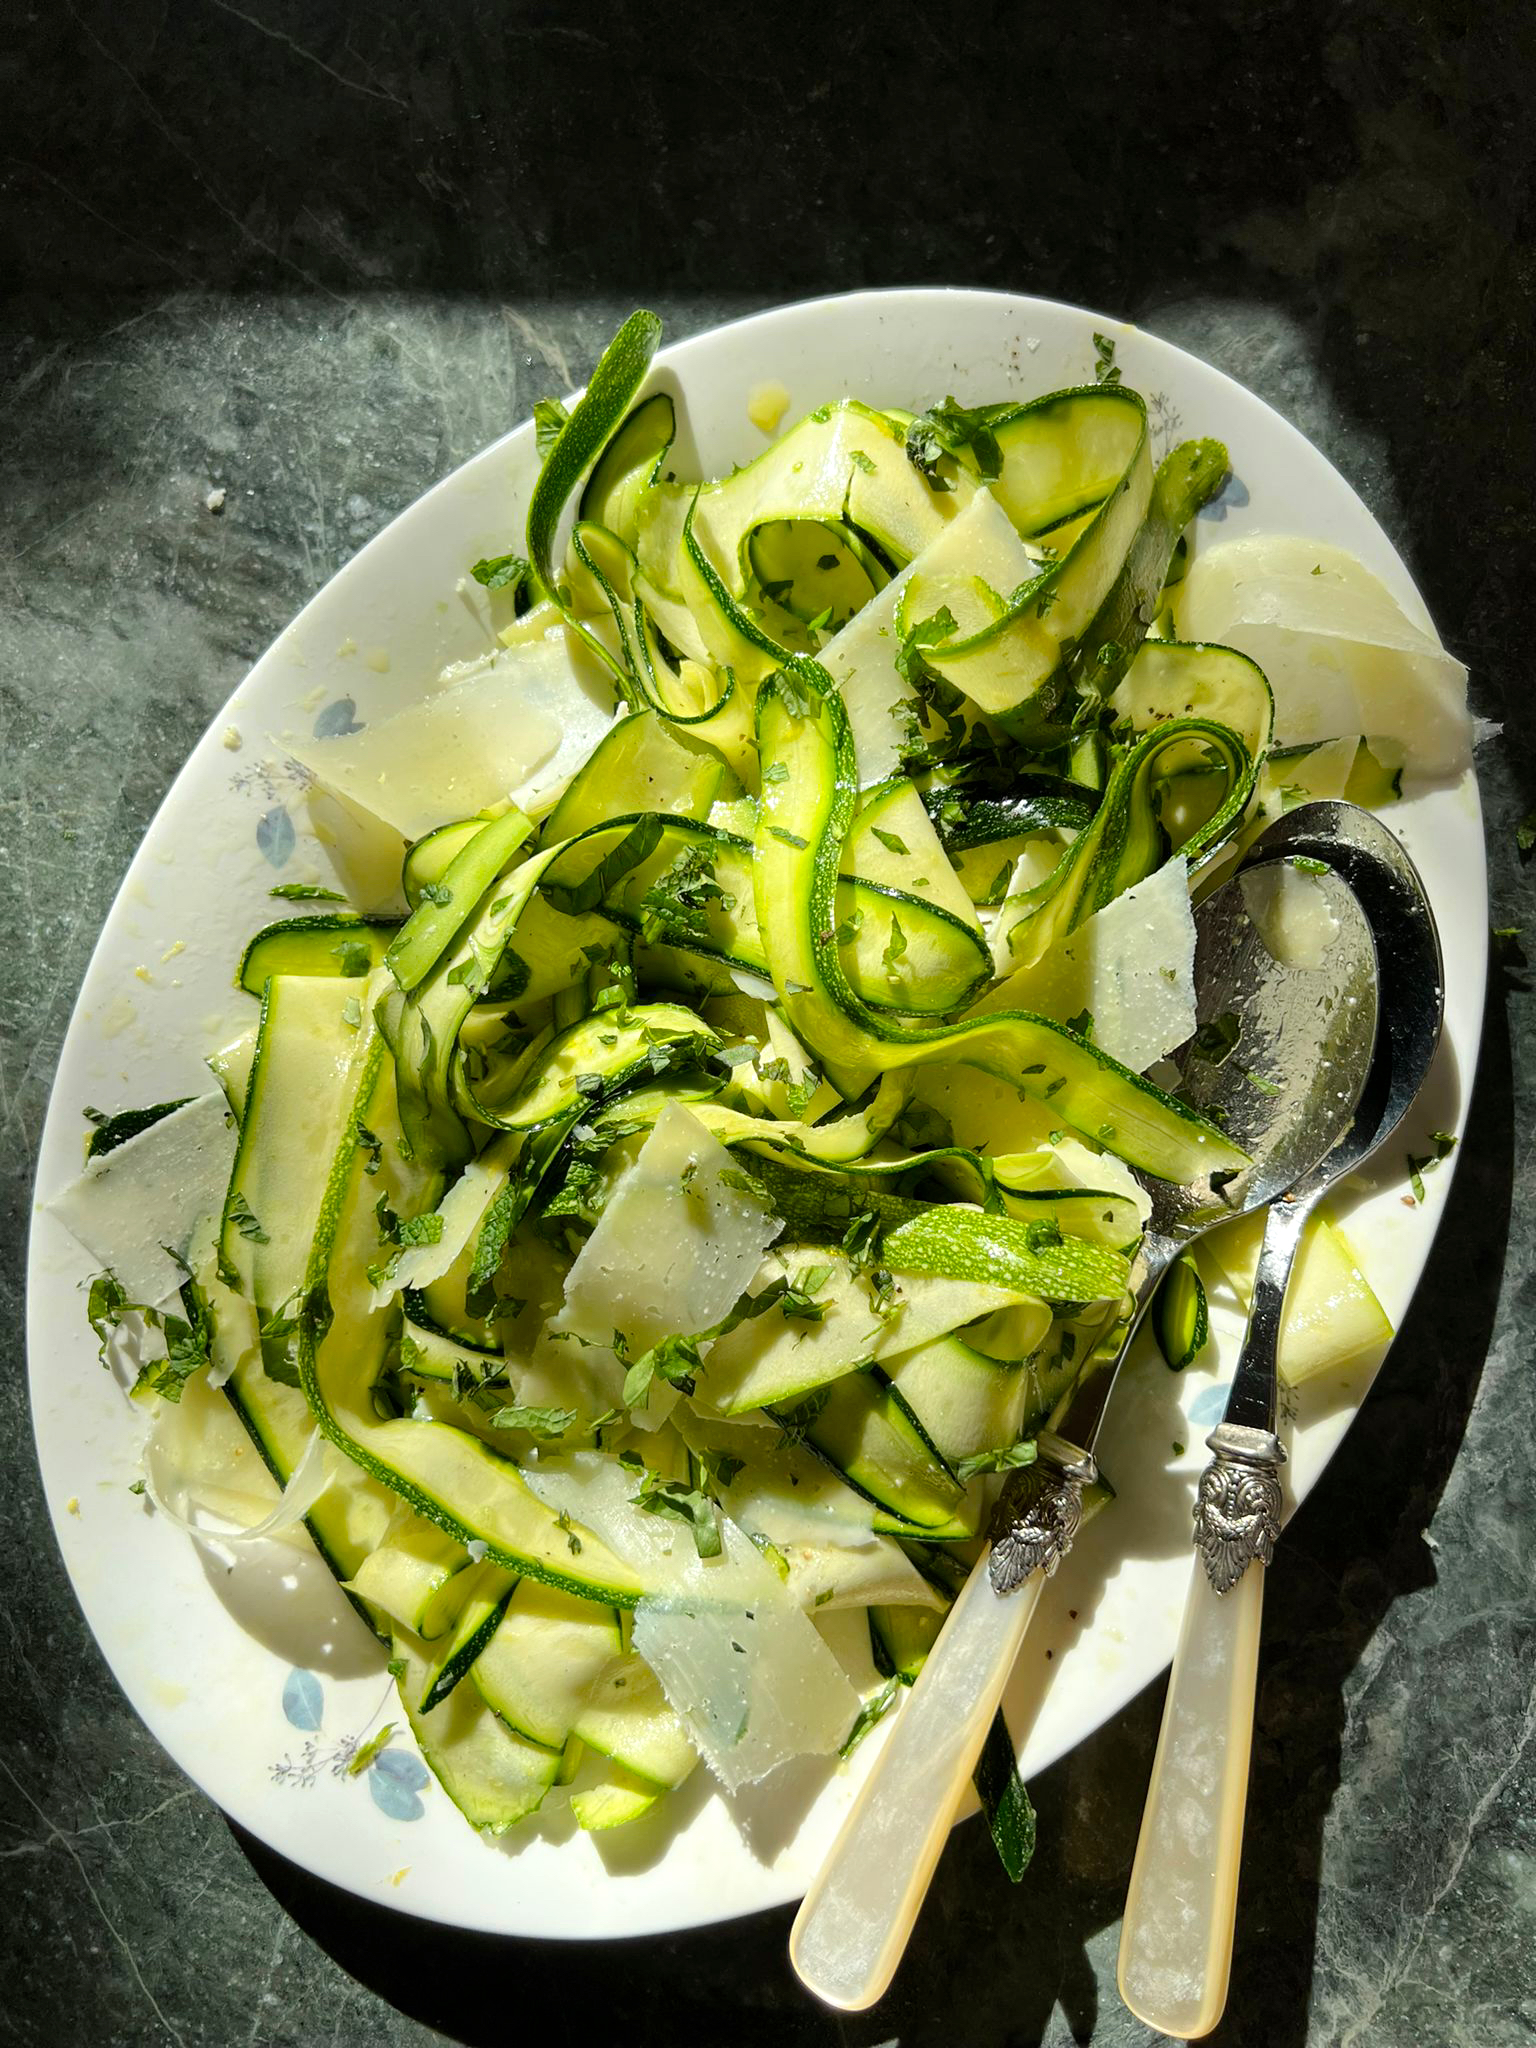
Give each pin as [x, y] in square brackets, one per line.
[1006, 1959]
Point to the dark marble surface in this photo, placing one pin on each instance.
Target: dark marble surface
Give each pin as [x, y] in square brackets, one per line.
[318, 253]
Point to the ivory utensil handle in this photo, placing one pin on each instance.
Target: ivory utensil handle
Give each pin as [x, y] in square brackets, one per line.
[851, 1931]
[1176, 1943]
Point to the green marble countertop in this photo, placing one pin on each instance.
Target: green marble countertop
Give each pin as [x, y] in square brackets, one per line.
[317, 261]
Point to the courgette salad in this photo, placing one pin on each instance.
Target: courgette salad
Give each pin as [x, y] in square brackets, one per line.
[648, 1235]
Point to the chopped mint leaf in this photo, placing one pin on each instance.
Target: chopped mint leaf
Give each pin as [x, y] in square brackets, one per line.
[364, 1755]
[1104, 370]
[356, 958]
[658, 1496]
[676, 908]
[436, 892]
[501, 572]
[1005, 1458]
[895, 948]
[306, 892]
[947, 429]
[239, 1213]
[675, 1361]
[572, 1540]
[1525, 835]
[873, 1711]
[549, 416]
[1216, 1038]
[1305, 865]
[889, 840]
[1082, 1024]
[544, 1422]
[861, 461]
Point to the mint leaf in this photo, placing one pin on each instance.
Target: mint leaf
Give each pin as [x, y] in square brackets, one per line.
[546, 1422]
[549, 417]
[501, 572]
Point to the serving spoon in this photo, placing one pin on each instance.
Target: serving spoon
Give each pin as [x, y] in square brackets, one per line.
[1180, 1912]
[1306, 1025]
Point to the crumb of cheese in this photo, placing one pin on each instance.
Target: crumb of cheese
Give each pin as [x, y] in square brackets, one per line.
[767, 405]
[232, 739]
[348, 646]
[72, 1505]
[176, 946]
[377, 659]
[141, 974]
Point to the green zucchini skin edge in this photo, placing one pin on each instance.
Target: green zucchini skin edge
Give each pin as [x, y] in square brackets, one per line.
[795, 875]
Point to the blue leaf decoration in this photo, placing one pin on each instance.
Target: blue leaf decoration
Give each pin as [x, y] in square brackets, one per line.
[405, 1769]
[303, 1702]
[1210, 1406]
[274, 836]
[1233, 492]
[392, 1797]
[337, 720]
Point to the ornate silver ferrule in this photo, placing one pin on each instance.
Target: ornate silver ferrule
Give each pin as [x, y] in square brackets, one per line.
[1237, 1505]
[1038, 1513]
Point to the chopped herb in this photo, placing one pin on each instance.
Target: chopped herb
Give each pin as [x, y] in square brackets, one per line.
[947, 429]
[896, 946]
[776, 771]
[137, 1487]
[306, 892]
[1444, 1145]
[1005, 1458]
[501, 572]
[352, 1013]
[436, 892]
[356, 958]
[889, 840]
[1104, 370]
[1216, 1038]
[468, 974]
[1525, 835]
[544, 1422]
[1263, 1083]
[396, 1667]
[658, 1496]
[873, 1711]
[861, 461]
[572, 1540]
[738, 1055]
[675, 909]
[826, 561]
[364, 1756]
[1082, 1023]
[675, 1361]
[549, 416]
[1305, 865]
[239, 1213]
